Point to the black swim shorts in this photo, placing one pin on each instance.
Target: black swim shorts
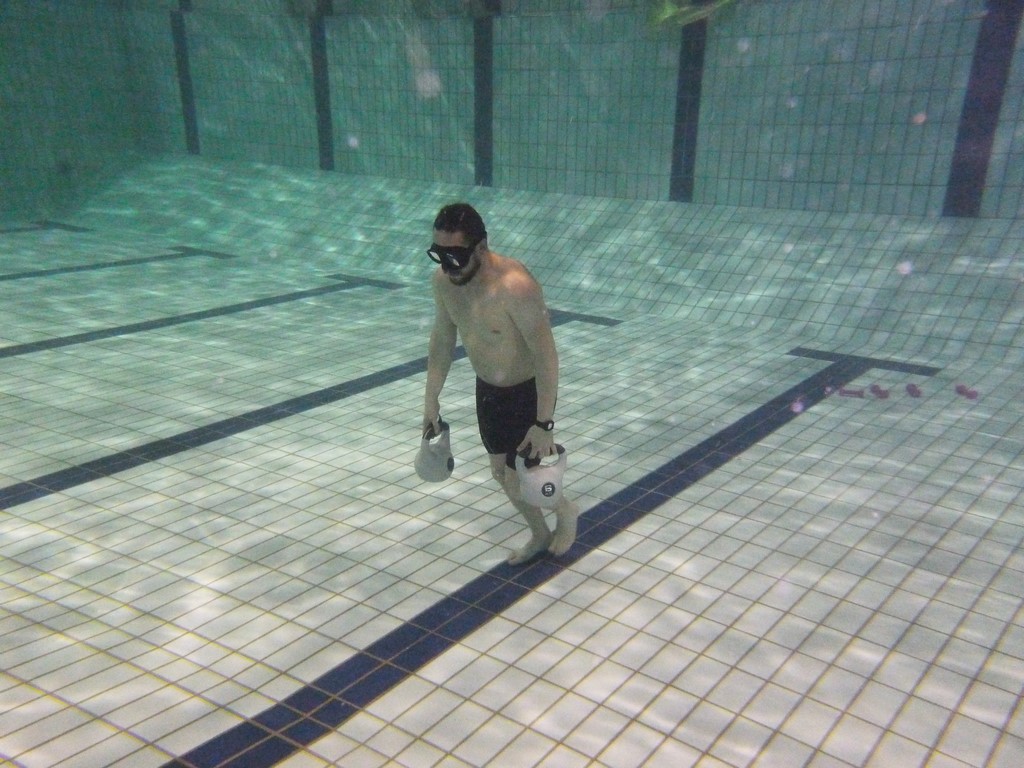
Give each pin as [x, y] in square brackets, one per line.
[505, 415]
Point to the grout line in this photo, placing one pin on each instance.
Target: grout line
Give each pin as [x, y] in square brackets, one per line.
[61, 480]
[15, 350]
[337, 695]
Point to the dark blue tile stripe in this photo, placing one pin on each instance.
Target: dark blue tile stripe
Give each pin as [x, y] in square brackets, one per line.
[342, 692]
[47, 224]
[15, 230]
[365, 281]
[483, 97]
[979, 118]
[689, 78]
[871, 362]
[42, 226]
[64, 479]
[15, 350]
[204, 252]
[54, 482]
[322, 86]
[179, 36]
[558, 317]
[181, 252]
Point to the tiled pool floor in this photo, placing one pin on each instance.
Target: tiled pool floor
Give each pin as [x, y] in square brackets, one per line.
[209, 506]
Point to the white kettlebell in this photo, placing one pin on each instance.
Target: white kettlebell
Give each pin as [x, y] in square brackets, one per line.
[541, 486]
[434, 461]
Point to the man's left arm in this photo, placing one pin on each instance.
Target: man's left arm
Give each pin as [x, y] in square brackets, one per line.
[531, 317]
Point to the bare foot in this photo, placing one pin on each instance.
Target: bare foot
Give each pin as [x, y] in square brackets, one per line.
[530, 551]
[565, 528]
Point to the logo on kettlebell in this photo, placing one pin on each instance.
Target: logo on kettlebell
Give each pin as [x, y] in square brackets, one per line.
[548, 489]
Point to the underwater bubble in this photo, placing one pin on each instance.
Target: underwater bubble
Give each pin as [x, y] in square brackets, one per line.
[792, 102]
[905, 267]
[598, 9]
[743, 44]
[798, 405]
[428, 83]
[352, 141]
[920, 118]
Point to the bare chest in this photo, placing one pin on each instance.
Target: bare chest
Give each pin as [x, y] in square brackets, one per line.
[482, 318]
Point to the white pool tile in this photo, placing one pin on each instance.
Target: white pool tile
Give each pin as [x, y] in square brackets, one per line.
[846, 591]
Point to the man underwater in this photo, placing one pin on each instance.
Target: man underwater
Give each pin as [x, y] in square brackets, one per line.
[498, 309]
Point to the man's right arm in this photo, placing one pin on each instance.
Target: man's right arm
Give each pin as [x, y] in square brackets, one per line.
[441, 353]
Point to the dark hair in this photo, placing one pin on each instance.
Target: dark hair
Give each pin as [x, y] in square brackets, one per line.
[461, 217]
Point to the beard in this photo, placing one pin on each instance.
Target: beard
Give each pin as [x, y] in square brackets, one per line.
[465, 276]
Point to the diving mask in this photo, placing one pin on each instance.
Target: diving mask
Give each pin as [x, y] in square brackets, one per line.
[452, 258]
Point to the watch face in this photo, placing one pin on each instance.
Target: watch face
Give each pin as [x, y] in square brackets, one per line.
[546, 425]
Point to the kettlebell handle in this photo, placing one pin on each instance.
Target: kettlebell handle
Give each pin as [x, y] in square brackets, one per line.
[429, 434]
[523, 455]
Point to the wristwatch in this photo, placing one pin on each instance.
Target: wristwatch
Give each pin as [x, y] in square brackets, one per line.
[547, 426]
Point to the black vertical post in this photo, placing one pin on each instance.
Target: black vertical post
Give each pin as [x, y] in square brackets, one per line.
[483, 92]
[990, 67]
[688, 83]
[188, 98]
[322, 84]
